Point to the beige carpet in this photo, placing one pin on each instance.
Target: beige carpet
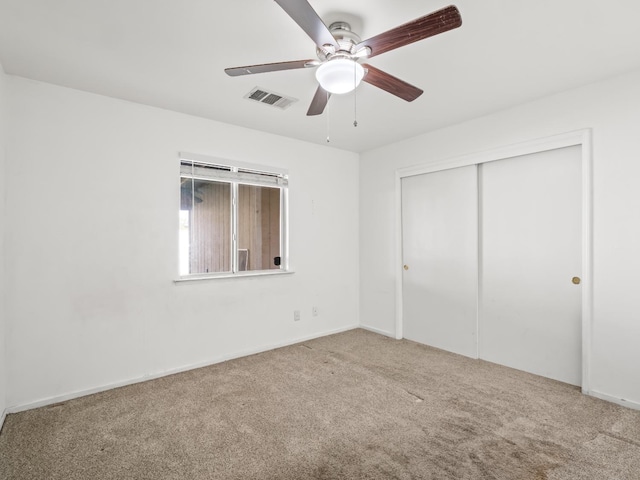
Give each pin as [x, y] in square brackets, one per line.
[350, 406]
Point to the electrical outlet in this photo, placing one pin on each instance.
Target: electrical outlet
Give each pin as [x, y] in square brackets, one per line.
[296, 315]
[314, 311]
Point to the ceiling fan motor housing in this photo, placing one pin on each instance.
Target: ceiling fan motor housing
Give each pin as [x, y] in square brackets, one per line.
[346, 39]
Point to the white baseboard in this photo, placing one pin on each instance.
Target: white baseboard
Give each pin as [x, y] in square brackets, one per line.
[619, 401]
[378, 331]
[223, 358]
[3, 416]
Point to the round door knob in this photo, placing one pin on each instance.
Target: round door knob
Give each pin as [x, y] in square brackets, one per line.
[406, 267]
[576, 280]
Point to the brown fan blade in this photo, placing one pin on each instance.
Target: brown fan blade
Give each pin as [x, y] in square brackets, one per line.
[319, 102]
[391, 84]
[437, 22]
[269, 67]
[305, 16]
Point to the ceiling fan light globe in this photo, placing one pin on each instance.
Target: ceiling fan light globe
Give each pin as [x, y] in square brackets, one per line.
[341, 75]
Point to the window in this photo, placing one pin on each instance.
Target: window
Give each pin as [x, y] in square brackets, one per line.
[232, 218]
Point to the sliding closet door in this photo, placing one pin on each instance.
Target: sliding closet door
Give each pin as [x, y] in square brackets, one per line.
[530, 314]
[440, 254]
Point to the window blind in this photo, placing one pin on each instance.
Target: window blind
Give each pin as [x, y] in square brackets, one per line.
[209, 171]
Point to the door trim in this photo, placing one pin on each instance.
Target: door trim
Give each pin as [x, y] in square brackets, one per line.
[583, 138]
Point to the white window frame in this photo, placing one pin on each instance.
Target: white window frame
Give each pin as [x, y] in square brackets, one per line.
[240, 173]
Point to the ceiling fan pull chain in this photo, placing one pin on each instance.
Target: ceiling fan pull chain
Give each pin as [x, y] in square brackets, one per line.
[355, 96]
[328, 116]
[355, 109]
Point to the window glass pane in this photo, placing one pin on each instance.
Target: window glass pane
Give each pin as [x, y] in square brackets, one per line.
[258, 228]
[205, 226]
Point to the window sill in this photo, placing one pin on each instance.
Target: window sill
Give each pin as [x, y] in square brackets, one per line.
[215, 276]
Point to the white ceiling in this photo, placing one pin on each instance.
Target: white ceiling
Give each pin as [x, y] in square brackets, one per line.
[171, 54]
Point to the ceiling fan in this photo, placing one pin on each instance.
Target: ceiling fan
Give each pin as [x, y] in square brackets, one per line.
[340, 52]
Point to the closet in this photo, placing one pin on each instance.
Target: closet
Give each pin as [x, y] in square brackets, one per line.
[492, 259]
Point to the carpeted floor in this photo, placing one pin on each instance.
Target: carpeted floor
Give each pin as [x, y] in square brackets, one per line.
[350, 406]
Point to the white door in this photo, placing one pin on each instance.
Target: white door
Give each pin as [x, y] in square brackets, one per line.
[440, 255]
[530, 307]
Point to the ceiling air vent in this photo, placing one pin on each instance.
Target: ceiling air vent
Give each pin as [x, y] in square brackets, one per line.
[270, 98]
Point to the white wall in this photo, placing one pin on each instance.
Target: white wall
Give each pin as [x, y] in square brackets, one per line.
[612, 109]
[92, 201]
[3, 359]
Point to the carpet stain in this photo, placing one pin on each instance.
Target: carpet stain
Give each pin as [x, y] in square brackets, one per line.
[622, 439]
[417, 398]
[524, 459]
